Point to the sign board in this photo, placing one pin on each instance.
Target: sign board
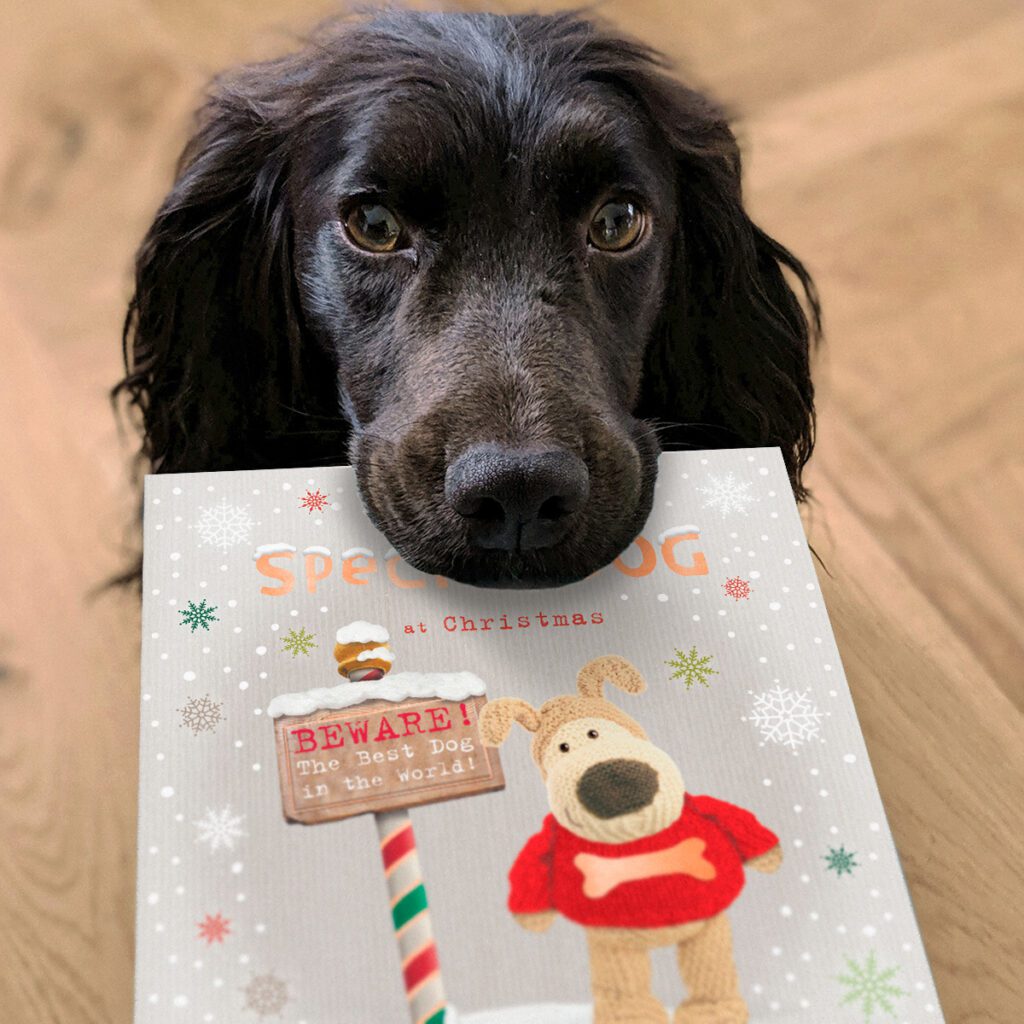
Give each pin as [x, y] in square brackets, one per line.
[382, 755]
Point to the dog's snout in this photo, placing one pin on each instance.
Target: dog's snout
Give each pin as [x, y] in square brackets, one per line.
[516, 499]
[610, 789]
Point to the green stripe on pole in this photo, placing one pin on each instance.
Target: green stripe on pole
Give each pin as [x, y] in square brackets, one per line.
[412, 903]
[436, 1018]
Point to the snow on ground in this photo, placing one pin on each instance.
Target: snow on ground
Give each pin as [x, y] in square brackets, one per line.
[451, 686]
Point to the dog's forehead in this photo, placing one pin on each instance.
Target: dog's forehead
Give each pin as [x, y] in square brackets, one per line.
[500, 115]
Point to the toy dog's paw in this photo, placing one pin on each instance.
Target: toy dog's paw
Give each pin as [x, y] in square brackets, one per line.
[767, 862]
[540, 922]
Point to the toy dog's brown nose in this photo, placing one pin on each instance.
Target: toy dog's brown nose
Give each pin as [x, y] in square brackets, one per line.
[610, 789]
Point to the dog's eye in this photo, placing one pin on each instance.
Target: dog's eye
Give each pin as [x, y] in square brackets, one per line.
[592, 733]
[616, 226]
[373, 227]
[563, 747]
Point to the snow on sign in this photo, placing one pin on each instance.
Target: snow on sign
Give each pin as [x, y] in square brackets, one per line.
[379, 742]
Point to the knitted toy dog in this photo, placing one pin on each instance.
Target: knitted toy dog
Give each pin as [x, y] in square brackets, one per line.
[629, 854]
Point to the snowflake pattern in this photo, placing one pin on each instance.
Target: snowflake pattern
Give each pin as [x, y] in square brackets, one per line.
[298, 642]
[727, 494]
[737, 588]
[870, 986]
[224, 525]
[196, 615]
[200, 714]
[786, 716]
[840, 861]
[313, 501]
[692, 668]
[214, 929]
[220, 828]
[266, 994]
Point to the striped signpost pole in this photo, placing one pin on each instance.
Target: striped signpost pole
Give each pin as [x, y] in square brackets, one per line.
[410, 917]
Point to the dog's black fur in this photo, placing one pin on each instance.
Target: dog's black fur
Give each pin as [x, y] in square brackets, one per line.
[259, 336]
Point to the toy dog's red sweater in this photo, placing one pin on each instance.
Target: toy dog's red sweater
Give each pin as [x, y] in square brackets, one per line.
[545, 876]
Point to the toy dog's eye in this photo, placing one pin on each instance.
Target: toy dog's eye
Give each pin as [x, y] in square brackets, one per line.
[592, 734]
[563, 747]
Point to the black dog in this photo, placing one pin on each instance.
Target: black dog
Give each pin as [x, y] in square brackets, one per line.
[494, 262]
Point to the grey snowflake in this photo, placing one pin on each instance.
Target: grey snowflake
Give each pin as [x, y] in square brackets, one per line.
[871, 987]
[692, 668]
[298, 642]
[727, 494]
[785, 716]
[224, 525]
[220, 828]
[266, 994]
[201, 714]
[840, 861]
[196, 615]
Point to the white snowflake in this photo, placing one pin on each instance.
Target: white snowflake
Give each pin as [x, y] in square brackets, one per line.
[224, 525]
[220, 828]
[727, 494]
[786, 716]
[266, 995]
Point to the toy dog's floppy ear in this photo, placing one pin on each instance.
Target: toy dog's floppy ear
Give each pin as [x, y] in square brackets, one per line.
[609, 669]
[497, 717]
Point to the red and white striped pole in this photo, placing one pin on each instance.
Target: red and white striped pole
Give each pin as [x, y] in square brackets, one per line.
[410, 916]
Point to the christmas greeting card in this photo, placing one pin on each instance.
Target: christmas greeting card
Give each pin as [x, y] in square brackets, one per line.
[371, 796]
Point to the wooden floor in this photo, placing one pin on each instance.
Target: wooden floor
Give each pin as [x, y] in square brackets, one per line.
[885, 145]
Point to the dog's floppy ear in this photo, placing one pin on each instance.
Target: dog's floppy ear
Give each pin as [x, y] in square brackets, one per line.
[217, 359]
[609, 669]
[729, 365]
[498, 717]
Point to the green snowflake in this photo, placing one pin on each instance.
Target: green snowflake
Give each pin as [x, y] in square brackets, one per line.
[196, 615]
[299, 642]
[871, 987]
[692, 668]
[840, 861]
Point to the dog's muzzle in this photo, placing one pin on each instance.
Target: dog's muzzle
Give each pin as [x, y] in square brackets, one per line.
[611, 789]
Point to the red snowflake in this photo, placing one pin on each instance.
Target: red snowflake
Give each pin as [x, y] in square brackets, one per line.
[737, 587]
[314, 501]
[213, 929]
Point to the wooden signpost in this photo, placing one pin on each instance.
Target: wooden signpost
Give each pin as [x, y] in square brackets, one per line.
[384, 743]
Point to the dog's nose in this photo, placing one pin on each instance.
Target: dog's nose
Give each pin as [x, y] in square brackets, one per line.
[516, 499]
[610, 789]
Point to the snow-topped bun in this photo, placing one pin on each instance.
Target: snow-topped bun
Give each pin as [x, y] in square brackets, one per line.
[362, 651]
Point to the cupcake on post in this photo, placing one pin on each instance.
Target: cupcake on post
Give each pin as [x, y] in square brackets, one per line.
[362, 651]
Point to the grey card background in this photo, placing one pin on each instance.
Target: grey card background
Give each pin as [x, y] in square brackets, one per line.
[242, 917]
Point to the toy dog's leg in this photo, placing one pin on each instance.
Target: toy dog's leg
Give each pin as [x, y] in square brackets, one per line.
[620, 976]
[709, 971]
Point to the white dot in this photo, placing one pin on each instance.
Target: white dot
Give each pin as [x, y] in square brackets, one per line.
[625, 597]
[243, 685]
[175, 555]
[260, 929]
[798, 843]
[274, 626]
[776, 951]
[763, 471]
[754, 574]
[167, 791]
[257, 711]
[696, 618]
[874, 826]
[822, 792]
[153, 899]
[663, 597]
[156, 501]
[766, 782]
[797, 808]
[696, 590]
[238, 743]
[237, 867]
[850, 758]
[147, 696]
[775, 606]
[730, 634]
[323, 607]
[763, 660]
[869, 931]
[240, 897]
[154, 998]
[189, 676]
[227, 669]
[790, 647]
[159, 757]
[261, 650]
[810, 586]
[286, 487]
[256, 767]
[841, 929]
